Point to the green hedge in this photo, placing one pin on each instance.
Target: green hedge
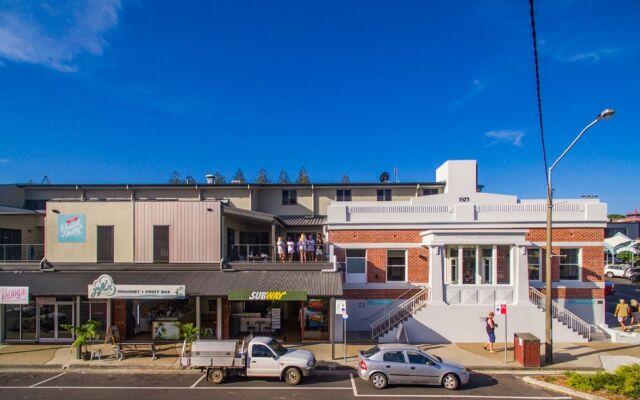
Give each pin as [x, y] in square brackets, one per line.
[625, 381]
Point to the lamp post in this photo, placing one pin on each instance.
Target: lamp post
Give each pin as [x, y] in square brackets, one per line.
[548, 348]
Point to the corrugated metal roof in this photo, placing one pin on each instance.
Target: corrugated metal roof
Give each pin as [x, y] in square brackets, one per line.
[303, 220]
[197, 283]
[14, 210]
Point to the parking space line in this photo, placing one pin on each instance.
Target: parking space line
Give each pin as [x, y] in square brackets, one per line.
[47, 380]
[198, 381]
[179, 387]
[455, 396]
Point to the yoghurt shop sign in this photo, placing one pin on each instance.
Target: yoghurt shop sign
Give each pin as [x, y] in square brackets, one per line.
[14, 295]
[105, 288]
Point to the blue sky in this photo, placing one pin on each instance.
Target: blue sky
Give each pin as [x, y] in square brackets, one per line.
[110, 91]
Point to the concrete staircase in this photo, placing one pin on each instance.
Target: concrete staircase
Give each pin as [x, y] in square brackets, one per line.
[562, 315]
[397, 315]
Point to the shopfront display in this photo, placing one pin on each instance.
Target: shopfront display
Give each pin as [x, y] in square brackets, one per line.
[155, 319]
[316, 319]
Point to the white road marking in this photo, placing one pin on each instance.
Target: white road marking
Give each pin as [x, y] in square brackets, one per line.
[456, 396]
[179, 388]
[198, 381]
[47, 380]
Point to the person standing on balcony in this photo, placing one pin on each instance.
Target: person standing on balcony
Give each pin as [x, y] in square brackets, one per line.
[302, 247]
[291, 248]
[281, 245]
[622, 312]
[319, 248]
[311, 248]
[491, 328]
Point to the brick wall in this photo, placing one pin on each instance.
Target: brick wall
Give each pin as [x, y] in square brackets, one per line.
[375, 236]
[379, 293]
[567, 235]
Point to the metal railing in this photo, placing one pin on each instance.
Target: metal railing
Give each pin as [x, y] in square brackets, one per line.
[310, 253]
[409, 307]
[387, 307]
[21, 253]
[561, 314]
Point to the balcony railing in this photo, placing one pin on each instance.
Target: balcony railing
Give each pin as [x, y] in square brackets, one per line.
[21, 253]
[295, 253]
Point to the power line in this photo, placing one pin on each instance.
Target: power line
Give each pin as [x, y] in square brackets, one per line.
[535, 60]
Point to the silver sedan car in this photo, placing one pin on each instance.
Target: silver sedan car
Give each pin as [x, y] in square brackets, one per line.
[405, 364]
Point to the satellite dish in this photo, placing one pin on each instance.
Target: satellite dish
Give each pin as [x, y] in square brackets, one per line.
[384, 177]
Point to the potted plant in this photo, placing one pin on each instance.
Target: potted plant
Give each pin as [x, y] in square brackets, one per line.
[83, 334]
[188, 332]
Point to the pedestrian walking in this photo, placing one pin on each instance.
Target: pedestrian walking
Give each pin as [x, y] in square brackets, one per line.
[623, 311]
[635, 312]
[281, 248]
[490, 327]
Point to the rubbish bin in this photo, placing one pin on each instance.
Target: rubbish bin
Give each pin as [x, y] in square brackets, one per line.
[527, 350]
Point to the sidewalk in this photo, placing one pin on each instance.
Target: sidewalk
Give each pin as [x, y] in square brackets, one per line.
[567, 356]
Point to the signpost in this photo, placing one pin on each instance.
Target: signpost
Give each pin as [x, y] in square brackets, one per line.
[503, 311]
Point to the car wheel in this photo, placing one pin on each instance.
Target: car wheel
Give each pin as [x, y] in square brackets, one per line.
[292, 376]
[215, 376]
[450, 381]
[378, 380]
[609, 274]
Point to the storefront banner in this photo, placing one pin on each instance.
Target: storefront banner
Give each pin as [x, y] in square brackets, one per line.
[165, 330]
[104, 288]
[14, 295]
[71, 228]
[273, 295]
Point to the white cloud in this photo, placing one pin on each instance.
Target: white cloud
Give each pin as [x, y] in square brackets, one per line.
[53, 35]
[477, 87]
[505, 136]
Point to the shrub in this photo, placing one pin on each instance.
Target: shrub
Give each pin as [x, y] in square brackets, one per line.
[625, 381]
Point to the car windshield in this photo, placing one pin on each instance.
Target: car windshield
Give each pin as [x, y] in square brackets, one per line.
[368, 353]
[277, 348]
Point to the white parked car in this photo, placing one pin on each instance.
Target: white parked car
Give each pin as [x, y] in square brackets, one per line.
[617, 270]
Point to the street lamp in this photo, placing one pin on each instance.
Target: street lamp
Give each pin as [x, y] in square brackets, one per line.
[548, 353]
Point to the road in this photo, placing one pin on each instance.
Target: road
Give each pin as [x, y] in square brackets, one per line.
[624, 290]
[129, 386]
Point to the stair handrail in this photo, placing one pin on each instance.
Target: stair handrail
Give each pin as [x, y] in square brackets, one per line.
[561, 314]
[402, 311]
[387, 307]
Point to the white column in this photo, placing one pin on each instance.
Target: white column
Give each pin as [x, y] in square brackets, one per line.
[436, 275]
[520, 279]
[108, 315]
[219, 318]
[198, 315]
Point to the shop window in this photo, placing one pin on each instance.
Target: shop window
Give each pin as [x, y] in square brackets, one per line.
[343, 195]
[384, 195]
[95, 310]
[503, 267]
[570, 264]
[316, 319]
[289, 197]
[356, 261]
[452, 265]
[105, 244]
[161, 243]
[396, 265]
[20, 322]
[260, 351]
[469, 266]
[533, 259]
[12, 320]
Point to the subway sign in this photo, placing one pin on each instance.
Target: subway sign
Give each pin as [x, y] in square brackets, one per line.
[271, 295]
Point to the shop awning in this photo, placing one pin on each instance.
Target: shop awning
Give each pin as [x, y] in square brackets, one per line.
[197, 283]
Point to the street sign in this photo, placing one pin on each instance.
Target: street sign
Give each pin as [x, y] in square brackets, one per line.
[503, 309]
[341, 307]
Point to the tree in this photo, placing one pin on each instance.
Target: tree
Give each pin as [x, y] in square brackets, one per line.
[190, 180]
[613, 217]
[345, 179]
[239, 177]
[303, 177]
[174, 178]
[284, 177]
[218, 178]
[262, 176]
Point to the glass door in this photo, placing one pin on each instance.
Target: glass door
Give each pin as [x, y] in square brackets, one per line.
[50, 317]
[47, 321]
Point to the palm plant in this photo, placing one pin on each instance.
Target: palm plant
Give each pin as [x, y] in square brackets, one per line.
[83, 334]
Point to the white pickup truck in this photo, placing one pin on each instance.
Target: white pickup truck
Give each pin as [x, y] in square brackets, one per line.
[259, 356]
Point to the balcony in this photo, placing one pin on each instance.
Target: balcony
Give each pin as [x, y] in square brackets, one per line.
[21, 253]
[260, 257]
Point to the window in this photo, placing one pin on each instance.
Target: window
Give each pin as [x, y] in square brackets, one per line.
[289, 197]
[503, 265]
[161, 243]
[533, 259]
[384, 194]
[356, 261]
[429, 191]
[469, 266]
[393, 356]
[343, 195]
[416, 358]
[486, 266]
[570, 264]
[396, 265]
[452, 265]
[105, 244]
[35, 204]
[260, 351]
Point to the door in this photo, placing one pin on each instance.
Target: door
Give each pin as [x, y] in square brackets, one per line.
[105, 244]
[396, 367]
[10, 249]
[161, 244]
[50, 317]
[262, 362]
[423, 370]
